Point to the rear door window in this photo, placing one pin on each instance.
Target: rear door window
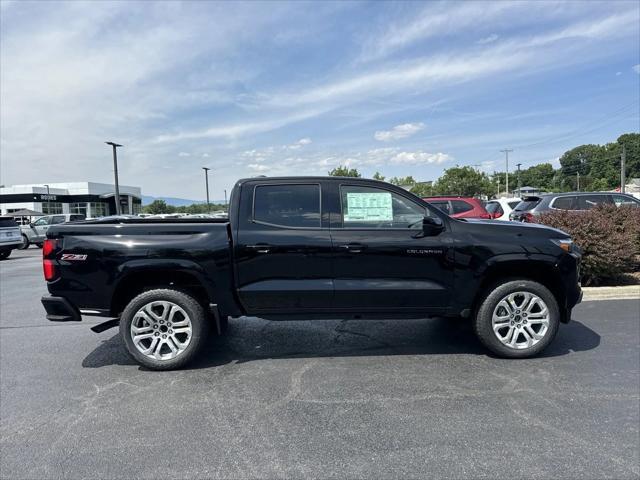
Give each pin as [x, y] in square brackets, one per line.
[460, 206]
[296, 206]
[513, 205]
[587, 202]
[442, 205]
[564, 203]
[57, 219]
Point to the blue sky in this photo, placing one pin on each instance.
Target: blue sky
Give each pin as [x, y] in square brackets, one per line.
[299, 88]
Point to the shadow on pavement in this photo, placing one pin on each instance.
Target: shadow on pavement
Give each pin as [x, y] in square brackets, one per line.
[250, 339]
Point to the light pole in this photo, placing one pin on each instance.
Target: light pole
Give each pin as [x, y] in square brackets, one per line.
[506, 154]
[48, 200]
[206, 183]
[225, 200]
[115, 173]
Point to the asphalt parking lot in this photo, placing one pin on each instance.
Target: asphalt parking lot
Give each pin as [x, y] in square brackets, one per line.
[322, 399]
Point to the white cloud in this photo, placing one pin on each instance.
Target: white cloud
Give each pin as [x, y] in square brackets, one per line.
[636, 68]
[419, 158]
[399, 131]
[184, 154]
[618, 74]
[258, 167]
[205, 155]
[490, 39]
[299, 144]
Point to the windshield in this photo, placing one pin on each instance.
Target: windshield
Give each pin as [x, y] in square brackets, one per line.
[528, 204]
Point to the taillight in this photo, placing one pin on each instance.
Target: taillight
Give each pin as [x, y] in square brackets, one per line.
[528, 217]
[486, 215]
[49, 264]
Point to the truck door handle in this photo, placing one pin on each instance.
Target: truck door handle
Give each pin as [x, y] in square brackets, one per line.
[264, 248]
[353, 247]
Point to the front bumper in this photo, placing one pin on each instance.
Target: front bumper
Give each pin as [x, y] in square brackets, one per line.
[60, 310]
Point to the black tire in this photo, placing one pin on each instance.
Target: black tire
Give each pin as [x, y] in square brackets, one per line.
[483, 326]
[25, 243]
[5, 254]
[199, 325]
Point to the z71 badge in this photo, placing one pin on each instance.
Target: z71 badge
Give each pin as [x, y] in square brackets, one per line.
[73, 257]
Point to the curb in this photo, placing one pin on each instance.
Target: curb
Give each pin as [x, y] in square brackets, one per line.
[627, 292]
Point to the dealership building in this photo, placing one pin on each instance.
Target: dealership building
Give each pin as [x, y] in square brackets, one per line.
[87, 198]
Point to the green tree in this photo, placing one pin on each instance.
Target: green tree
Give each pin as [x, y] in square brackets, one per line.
[344, 171]
[631, 141]
[378, 176]
[465, 181]
[539, 176]
[158, 207]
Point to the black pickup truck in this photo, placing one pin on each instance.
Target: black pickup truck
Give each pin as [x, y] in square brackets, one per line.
[307, 248]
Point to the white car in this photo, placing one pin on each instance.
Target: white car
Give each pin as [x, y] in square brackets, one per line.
[500, 208]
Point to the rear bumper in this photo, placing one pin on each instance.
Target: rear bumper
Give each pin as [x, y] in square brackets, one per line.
[60, 310]
[10, 245]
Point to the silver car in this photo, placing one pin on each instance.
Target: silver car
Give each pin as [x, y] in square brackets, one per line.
[9, 236]
[36, 231]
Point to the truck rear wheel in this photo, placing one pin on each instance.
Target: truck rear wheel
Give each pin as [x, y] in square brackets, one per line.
[517, 319]
[25, 243]
[164, 329]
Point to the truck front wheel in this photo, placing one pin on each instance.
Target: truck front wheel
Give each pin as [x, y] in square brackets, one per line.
[517, 319]
[164, 329]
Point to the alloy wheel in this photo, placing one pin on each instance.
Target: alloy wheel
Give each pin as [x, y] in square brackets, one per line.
[520, 320]
[161, 330]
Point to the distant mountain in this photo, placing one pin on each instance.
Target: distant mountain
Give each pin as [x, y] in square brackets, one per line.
[176, 202]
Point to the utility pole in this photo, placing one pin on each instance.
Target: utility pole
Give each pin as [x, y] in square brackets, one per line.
[115, 173]
[578, 177]
[519, 186]
[506, 154]
[206, 183]
[498, 182]
[623, 175]
[225, 200]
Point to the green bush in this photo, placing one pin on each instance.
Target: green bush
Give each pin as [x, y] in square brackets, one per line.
[609, 237]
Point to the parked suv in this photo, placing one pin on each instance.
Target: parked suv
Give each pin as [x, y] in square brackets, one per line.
[532, 206]
[9, 236]
[500, 208]
[36, 231]
[459, 207]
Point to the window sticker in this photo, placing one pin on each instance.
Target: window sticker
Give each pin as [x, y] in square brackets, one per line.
[369, 207]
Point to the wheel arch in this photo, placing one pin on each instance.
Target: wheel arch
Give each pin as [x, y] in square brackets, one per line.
[137, 281]
[543, 271]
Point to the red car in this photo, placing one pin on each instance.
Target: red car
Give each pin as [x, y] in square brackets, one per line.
[460, 207]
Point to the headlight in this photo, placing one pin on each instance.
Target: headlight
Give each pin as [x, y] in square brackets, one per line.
[565, 244]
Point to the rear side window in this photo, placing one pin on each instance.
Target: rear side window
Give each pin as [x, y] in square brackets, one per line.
[57, 219]
[565, 203]
[494, 208]
[287, 205]
[76, 217]
[460, 206]
[513, 205]
[624, 200]
[587, 202]
[444, 206]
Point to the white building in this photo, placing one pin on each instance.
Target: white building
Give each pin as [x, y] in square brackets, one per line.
[87, 198]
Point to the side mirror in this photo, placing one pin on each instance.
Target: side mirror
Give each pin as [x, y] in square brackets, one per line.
[432, 226]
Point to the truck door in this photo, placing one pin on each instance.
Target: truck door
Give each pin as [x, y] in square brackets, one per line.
[283, 248]
[382, 259]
